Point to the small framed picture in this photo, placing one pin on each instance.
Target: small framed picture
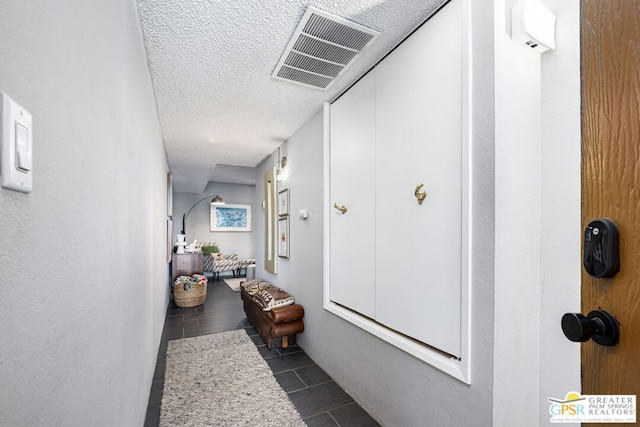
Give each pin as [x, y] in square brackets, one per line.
[169, 195]
[169, 239]
[283, 237]
[283, 202]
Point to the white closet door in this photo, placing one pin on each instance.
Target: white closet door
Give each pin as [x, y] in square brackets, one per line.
[418, 130]
[352, 268]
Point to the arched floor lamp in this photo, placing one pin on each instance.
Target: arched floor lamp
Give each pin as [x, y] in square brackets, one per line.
[217, 200]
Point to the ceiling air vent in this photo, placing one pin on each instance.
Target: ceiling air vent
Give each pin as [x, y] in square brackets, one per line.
[322, 48]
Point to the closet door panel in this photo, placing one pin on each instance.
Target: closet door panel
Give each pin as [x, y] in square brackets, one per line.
[352, 234]
[418, 130]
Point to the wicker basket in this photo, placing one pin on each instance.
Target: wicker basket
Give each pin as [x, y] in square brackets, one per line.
[191, 298]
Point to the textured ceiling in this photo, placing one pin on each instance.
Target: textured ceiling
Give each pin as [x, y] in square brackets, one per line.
[211, 63]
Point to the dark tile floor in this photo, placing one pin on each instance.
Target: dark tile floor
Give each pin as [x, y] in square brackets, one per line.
[319, 400]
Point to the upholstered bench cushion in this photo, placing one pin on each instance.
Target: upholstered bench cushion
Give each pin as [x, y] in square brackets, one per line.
[286, 314]
[271, 297]
[252, 287]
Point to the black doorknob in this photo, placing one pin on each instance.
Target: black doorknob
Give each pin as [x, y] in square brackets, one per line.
[599, 325]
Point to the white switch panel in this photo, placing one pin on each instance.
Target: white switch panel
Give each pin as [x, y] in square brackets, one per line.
[16, 157]
[533, 26]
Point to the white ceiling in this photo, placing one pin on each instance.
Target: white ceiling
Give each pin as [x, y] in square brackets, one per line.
[211, 63]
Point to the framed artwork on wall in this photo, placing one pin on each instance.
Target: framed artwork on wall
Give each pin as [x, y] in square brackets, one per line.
[270, 216]
[169, 195]
[283, 237]
[230, 218]
[169, 239]
[283, 202]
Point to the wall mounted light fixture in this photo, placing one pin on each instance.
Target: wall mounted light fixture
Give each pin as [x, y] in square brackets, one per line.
[282, 163]
[217, 200]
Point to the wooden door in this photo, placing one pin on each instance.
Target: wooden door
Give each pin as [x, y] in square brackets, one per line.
[610, 52]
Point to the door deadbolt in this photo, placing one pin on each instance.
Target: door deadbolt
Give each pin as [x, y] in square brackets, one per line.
[601, 255]
[599, 325]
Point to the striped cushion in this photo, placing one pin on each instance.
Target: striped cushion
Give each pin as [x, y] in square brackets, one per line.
[272, 297]
[252, 287]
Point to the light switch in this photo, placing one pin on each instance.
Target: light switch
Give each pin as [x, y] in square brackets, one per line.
[16, 156]
[23, 150]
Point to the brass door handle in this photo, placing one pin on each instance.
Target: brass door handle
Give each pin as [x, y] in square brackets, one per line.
[342, 209]
[420, 195]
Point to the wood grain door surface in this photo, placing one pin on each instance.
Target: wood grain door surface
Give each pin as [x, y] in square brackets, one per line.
[610, 49]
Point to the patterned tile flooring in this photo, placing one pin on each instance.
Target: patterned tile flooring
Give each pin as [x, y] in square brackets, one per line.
[320, 401]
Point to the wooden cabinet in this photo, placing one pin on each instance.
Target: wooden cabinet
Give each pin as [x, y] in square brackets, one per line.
[392, 259]
[186, 265]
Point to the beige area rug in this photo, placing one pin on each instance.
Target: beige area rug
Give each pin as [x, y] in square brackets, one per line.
[221, 380]
[234, 284]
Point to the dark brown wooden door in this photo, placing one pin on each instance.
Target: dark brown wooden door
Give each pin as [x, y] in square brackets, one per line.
[610, 38]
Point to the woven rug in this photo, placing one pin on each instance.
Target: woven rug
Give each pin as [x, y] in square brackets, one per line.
[221, 380]
[234, 284]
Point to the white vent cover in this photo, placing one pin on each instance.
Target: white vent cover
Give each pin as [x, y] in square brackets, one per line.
[322, 48]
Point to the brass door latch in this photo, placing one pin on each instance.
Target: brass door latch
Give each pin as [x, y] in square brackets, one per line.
[342, 209]
[420, 195]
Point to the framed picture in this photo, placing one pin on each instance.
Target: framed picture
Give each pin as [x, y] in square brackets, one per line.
[283, 237]
[169, 195]
[169, 239]
[283, 202]
[270, 216]
[230, 218]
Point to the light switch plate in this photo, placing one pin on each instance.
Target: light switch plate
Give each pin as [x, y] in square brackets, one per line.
[16, 156]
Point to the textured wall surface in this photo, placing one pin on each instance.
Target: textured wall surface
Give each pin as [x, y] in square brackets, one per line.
[198, 225]
[82, 257]
[560, 206]
[525, 183]
[537, 225]
[211, 63]
[394, 387]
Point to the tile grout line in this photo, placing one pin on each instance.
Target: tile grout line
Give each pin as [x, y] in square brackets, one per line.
[291, 369]
[301, 380]
[334, 420]
[340, 407]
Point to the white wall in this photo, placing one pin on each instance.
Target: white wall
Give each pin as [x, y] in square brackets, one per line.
[517, 228]
[198, 224]
[394, 387]
[303, 178]
[83, 256]
[537, 221]
[560, 156]
[525, 232]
